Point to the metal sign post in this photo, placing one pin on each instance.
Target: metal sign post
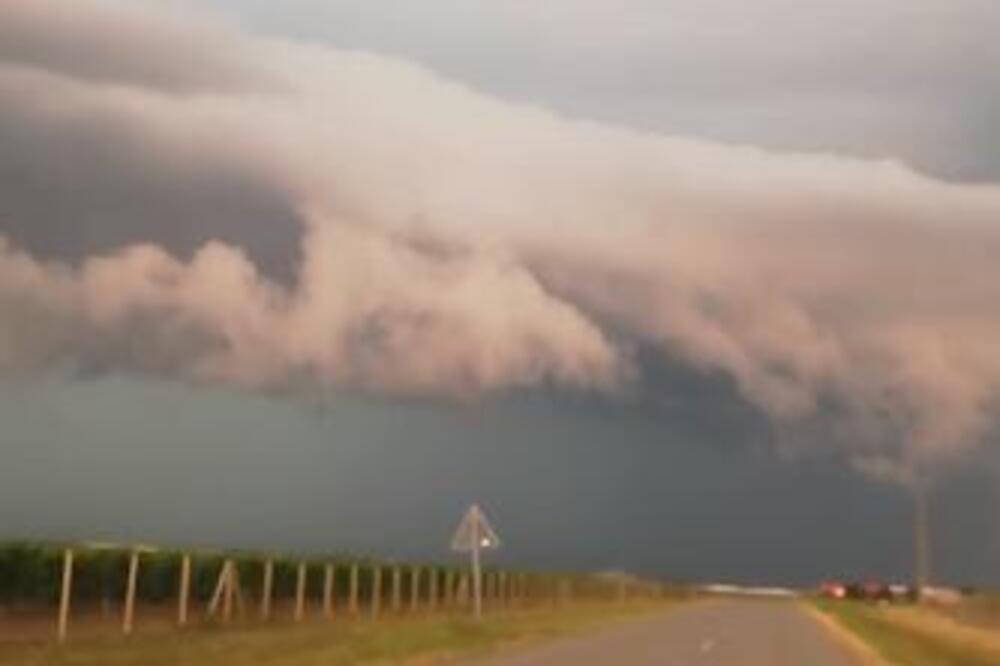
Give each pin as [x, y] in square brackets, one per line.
[473, 535]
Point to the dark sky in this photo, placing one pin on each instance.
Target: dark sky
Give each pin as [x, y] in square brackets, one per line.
[568, 483]
[353, 361]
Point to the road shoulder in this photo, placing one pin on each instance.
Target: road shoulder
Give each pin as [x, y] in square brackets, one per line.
[859, 649]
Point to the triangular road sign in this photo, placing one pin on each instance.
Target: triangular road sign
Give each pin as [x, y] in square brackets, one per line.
[474, 532]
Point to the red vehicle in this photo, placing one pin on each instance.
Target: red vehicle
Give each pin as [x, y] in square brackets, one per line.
[832, 590]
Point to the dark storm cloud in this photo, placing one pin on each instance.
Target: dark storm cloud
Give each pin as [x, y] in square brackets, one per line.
[568, 486]
[71, 187]
[450, 243]
[79, 177]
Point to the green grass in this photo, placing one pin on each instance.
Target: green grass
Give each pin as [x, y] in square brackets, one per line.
[415, 640]
[904, 643]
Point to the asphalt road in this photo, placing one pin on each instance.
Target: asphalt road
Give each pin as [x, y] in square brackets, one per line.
[712, 633]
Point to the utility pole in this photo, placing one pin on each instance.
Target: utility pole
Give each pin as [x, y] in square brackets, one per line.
[921, 540]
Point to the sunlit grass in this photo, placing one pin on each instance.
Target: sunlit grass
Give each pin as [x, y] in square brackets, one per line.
[914, 637]
[402, 640]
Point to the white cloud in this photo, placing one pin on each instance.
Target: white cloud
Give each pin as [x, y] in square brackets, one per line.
[907, 78]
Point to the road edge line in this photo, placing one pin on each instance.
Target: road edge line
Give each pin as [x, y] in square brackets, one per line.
[847, 638]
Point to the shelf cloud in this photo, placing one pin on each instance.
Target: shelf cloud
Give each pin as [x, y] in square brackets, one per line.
[184, 199]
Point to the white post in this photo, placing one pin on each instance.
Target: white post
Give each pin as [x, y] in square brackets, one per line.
[185, 591]
[266, 590]
[64, 597]
[414, 588]
[328, 591]
[220, 588]
[397, 589]
[449, 588]
[300, 593]
[376, 591]
[352, 604]
[133, 574]
[228, 591]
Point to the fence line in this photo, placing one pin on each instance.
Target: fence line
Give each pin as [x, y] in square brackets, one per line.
[79, 573]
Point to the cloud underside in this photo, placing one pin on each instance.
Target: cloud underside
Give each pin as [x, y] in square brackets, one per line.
[279, 217]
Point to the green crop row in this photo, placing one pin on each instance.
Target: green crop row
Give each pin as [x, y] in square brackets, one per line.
[31, 573]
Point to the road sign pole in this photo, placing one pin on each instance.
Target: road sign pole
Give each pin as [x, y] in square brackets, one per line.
[473, 535]
[477, 583]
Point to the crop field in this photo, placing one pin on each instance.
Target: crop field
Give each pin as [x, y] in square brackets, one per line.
[331, 610]
[30, 573]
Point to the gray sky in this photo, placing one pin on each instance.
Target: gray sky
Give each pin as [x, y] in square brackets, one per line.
[681, 287]
[893, 78]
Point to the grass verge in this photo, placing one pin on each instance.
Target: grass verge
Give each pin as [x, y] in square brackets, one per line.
[913, 637]
[405, 640]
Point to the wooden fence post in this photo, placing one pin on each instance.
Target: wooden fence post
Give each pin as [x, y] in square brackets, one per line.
[266, 590]
[352, 603]
[565, 591]
[449, 588]
[328, 591]
[213, 604]
[184, 591]
[487, 585]
[130, 585]
[463, 593]
[228, 591]
[397, 589]
[432, 591]
[65, 595]
[376, 590]
[414, 589]
[300, 593]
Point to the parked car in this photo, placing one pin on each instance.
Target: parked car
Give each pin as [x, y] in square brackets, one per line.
[832, 590]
